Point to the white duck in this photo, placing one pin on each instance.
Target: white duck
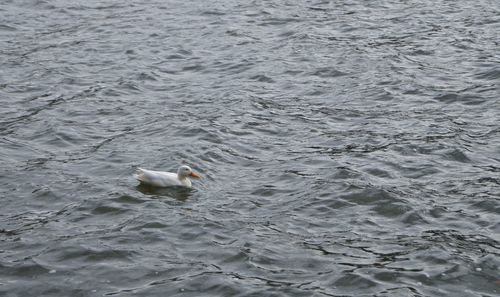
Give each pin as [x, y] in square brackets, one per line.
[166, 179]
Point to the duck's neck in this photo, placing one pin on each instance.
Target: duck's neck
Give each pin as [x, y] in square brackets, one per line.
[184, 180]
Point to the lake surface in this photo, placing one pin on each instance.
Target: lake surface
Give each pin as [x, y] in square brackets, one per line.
[347, 148]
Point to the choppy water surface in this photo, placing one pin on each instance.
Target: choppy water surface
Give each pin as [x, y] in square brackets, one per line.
[348, 148]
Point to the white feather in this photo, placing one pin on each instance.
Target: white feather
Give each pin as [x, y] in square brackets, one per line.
[165, 179]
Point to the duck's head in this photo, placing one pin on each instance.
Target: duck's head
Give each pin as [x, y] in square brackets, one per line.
[186, 171]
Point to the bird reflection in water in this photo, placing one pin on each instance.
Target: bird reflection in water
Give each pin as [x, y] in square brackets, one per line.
[179, 193]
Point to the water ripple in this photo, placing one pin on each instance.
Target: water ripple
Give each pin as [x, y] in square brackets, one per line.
[346, 148]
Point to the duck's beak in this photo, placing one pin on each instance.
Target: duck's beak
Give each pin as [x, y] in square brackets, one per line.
[194, 174]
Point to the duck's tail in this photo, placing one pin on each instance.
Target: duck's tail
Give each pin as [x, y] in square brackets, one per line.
[139, 174]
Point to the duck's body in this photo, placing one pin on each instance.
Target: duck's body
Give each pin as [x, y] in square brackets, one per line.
[166, 179]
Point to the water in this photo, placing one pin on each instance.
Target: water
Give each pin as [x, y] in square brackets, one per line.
[347, 148]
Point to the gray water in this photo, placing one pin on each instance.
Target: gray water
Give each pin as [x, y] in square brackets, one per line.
[347, 148]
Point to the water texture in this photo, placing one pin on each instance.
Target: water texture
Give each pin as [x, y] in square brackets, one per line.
[347, 148]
